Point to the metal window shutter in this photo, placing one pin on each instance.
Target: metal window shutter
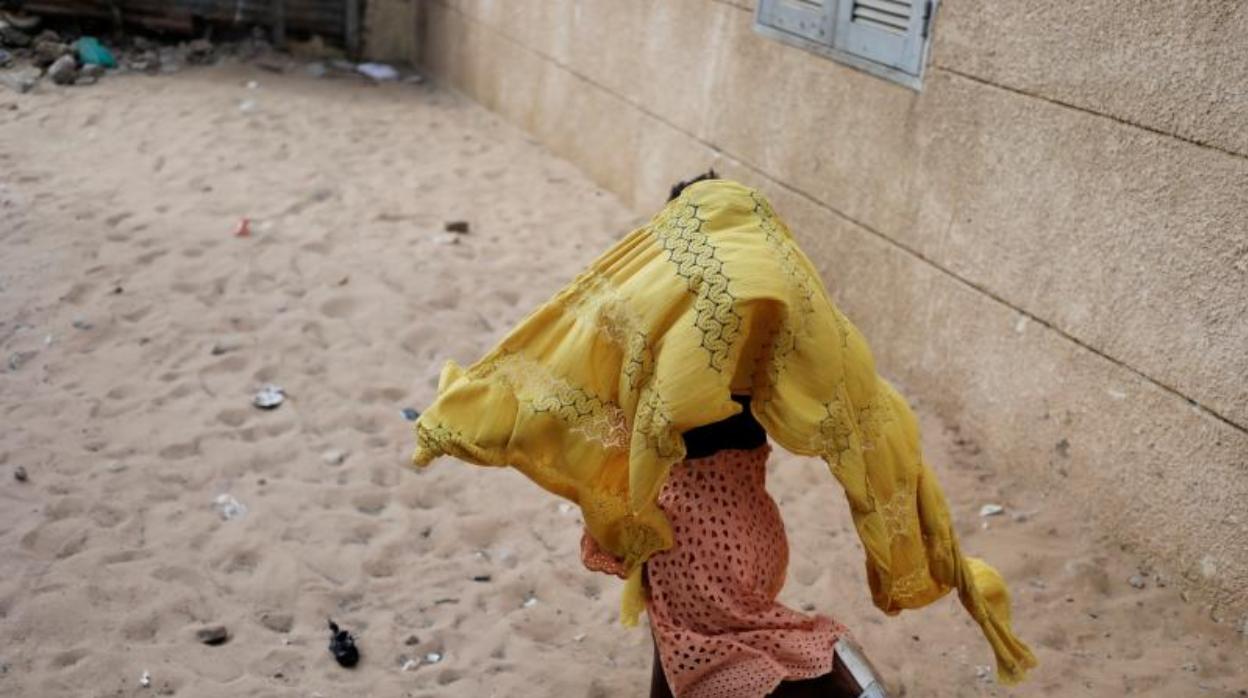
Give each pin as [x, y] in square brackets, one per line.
[809, 19]
[888, 32]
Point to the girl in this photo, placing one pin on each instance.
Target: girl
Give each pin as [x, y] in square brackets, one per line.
[645, 392]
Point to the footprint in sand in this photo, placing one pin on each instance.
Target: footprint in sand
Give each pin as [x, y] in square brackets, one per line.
[366, 424]
[137, 314]
[140, 627]
[78, 293]
[121, 392]
[340, 307]
[64, 508]
[313, 332]
[372, 396]
[106, 516]
[116, 219]
[68, 658]
[180, 451]
[234, 417]
[421, 340]
[56, 539]
[242, 562]
[383, 565]
[147, 258]
[371, 503]
[448, 677]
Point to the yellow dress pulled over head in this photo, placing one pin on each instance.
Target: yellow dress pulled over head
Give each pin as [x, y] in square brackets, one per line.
[590, 394]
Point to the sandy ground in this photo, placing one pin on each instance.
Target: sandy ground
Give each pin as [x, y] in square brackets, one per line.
[135, 328]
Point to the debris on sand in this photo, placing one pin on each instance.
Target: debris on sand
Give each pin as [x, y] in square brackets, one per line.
[213, 635]
[20, 81]
[378, 71]
[64, 70]
[12, 36]
[991, 510]
[47, 51]
[269, 397]
[199, 52]
[92, 52]
[334, 457]
[460, 227]
[342, 646]
[19, 474]
[228, 507]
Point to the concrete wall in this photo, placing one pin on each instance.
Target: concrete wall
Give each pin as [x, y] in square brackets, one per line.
[1048, 244]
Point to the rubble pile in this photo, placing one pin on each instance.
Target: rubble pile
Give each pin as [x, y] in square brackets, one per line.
[32, 54]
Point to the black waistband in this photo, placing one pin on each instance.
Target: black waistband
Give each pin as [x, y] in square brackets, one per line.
[739, 431]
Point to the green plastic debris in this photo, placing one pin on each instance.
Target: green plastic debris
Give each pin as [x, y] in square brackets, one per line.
[91, 51]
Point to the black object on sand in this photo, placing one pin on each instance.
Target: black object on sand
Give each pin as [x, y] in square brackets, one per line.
[342, 646]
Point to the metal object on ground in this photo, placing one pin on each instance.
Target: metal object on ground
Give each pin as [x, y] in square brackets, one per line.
[854, 673]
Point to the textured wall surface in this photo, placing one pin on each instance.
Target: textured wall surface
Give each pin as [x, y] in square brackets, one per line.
[1048, 244]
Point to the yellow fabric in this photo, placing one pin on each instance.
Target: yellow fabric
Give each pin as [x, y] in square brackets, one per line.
[590, 394]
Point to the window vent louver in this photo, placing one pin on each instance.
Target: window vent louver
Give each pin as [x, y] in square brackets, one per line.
[886, 15]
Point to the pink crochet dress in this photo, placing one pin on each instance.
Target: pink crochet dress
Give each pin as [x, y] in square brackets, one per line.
[712, 602]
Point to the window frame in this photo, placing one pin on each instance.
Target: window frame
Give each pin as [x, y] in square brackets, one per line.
[839, 31]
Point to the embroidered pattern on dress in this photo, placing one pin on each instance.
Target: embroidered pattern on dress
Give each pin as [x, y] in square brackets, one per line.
[900, 514]
[653, 421]
[585, 414]
[691, 251]
[437, 438]
[602, 305]
[872, 418]
[915, 585]
[835, 431]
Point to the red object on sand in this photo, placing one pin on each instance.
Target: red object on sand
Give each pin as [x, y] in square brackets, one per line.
[244, 228]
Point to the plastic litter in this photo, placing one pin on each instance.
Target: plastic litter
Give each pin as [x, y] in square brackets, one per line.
[460, 227]
[146, 679]
[433, 657]
[19, 474]
[269, 397]
[991, 510]
[92, 52]
[342, 646]
[247, 106]
[64, 71]
[334, 457]
[243, 230]
[410, 414]
[228, 507]
[530, 602]
[378, 71]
